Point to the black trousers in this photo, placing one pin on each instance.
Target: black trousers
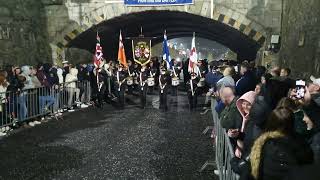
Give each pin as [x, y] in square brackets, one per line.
[143, 95]
[192, 99]
[120, 95]
[101, 95]
[150, 89]
[130, 89]
[163, 99]
[174, 90]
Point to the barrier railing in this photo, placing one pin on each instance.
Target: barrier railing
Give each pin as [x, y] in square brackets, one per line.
[27, 104]
[224, 151]
[223, 148]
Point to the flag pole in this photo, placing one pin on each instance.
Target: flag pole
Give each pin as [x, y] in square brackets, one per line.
[194, 37]
[119, 47]
[141, 34]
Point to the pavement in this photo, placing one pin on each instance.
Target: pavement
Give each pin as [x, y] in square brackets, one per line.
[113, 143]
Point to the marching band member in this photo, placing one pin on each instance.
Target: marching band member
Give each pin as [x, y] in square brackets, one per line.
[201, 71]
[152, 76]
[121, 86]
[164, 79]
[108, 67]
[131, 74]
[136, 73]
[101, 76]
[176, 69]
[193, 90]
[143, 77]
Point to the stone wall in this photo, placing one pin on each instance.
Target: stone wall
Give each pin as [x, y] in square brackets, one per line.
[300, 46]
[31, 30]
[23, 32]
[255, 18]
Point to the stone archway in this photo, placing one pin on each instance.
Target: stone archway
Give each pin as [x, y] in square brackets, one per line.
[223, 13]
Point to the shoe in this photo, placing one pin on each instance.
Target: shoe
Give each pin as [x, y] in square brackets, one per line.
[77, 102]
[36, 122]
[43, 120]
[32, 124]
[7, 128]
[83, 106]
[3, 134]
[71, 110]
[217, 172]
[204, 112]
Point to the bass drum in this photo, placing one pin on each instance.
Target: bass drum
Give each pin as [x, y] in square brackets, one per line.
[201, 83]
[150, 81]
[129, 81]
[175, 81]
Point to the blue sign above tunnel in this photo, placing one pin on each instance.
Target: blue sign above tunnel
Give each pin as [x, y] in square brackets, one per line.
[156, 2]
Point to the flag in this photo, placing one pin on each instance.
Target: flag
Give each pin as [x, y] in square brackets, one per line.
[98, 53]
[121, 53]
[166, 54]
[193, 55]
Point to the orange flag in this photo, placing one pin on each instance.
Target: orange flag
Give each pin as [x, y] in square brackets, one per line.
[121, 53]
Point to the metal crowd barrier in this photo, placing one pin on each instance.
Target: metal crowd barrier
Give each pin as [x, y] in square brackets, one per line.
[224, 151]
[27, 104]
[222, 146]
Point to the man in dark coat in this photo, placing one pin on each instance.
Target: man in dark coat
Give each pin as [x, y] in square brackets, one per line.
[247, 82]
[230, 117]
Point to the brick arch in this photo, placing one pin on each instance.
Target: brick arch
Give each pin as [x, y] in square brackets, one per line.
[231, 17]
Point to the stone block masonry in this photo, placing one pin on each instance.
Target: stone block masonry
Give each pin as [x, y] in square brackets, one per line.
[300, 43]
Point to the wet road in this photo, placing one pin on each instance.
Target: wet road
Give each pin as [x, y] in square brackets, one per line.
[132, 143]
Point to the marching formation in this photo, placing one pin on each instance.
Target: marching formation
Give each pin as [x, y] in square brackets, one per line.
[111, 80]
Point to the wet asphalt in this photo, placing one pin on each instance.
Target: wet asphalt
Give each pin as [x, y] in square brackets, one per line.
[113, 143]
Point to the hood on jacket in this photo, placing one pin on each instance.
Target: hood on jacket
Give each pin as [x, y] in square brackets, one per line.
[249, 97]
[74, 71]
[26, 70]
[256, 152]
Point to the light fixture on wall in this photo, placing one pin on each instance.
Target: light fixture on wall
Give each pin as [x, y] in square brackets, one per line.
[274, 45]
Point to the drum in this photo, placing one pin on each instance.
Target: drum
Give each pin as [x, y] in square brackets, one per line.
[135, 80]
[201, 83]
[150, 81]
[129, 81]
[175, 81]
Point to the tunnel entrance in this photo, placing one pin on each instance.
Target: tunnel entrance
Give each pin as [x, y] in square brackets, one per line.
[177, 24]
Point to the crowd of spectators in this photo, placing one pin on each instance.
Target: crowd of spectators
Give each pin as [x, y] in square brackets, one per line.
[30, 95]
[272, 129]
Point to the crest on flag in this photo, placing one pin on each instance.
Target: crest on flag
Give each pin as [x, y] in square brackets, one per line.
[98, 53]
[166, 53]
[193, 55]
[141, 50]
[121, 52]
